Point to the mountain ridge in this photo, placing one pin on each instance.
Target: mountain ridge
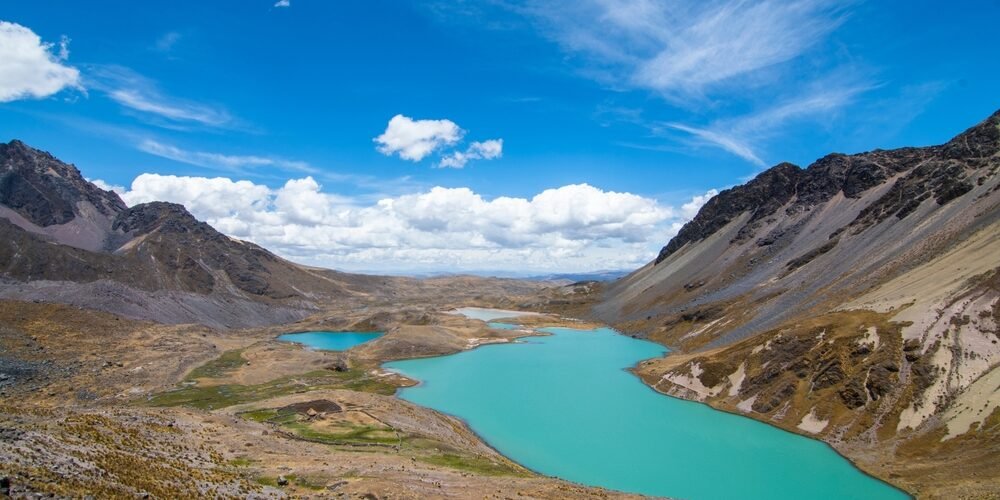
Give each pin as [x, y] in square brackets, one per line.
[64, 240]
[856, 301]
[60, 228]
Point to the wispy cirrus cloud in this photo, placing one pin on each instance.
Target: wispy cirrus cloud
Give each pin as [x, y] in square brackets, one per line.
[142, 95]
[721, 139]
[167, 42]
[219, 161]
[717, 66]
[171, 109]
[739, 135]
[689, 49]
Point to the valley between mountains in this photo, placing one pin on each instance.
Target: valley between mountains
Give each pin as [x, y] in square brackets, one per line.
[855, 301]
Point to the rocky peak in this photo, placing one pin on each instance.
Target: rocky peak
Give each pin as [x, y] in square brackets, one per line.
[158, 215]
[46, 191]
[762, 196]
[939, 172]
[980, 141]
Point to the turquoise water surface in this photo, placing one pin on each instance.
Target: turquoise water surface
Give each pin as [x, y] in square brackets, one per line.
[502, 326]
[485, 314]
[330, 341]
[563, 405]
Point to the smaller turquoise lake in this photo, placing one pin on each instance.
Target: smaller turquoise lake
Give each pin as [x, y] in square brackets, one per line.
[502, 326]
[330, 341]
[486, 314]
[565, 406]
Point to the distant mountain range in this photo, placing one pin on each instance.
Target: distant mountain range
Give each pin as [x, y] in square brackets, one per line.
[563, 278]
[857, 300]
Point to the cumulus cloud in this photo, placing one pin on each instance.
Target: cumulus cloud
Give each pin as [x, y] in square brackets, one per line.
[283, 3]
[573, 227]
[485, 150]
[415, 139]
[107, 186]
[29, 68]
[691, 208]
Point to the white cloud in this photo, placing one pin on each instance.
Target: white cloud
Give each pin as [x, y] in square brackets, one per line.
[28, 68]
[718, 139]
[737, 135]
[209, 198]
[687, 49]
[574, 227]
[283, 3]
[107, 186]
[220, 161]
[150, 103]
[485, 150]
[167, 42]
[707, 59]
[690, 209]
[415, 139]
[138, 93]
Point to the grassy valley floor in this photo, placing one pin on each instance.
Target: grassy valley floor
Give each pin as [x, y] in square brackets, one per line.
[98, 405]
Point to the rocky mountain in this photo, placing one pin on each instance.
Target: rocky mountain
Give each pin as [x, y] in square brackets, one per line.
[49, 198]
[857, 300]
[66, 240]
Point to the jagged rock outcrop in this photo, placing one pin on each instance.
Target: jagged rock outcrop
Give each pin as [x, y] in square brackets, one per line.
[51, 199]
[46, 191]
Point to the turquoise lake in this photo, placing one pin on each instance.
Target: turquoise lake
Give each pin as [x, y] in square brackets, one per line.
[330, 341]
[563, 405]
[485, 314]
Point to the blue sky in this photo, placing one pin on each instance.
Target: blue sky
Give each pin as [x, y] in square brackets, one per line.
[649, 104]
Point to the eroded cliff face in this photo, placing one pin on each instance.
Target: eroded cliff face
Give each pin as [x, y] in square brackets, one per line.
[855, 300]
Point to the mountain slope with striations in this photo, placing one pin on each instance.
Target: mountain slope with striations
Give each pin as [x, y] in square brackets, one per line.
[857, 300]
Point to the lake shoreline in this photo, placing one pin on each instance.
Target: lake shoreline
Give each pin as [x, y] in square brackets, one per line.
[576, 325]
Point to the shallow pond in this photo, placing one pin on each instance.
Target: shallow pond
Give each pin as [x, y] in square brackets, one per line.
[484, 314]
[330, 341]
[563, 405]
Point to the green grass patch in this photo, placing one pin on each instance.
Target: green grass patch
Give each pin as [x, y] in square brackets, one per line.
[475, 465]
[368, 438]
[264, 415]
[221, 396]
[273, 481]
[218, 367]
[240, 462]
[306, 483]
[363, 435]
